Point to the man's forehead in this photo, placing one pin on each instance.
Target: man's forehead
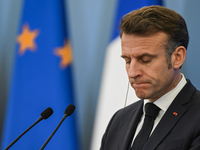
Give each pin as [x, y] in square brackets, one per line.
[142, 44]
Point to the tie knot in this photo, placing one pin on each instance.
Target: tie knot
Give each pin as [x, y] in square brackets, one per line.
[151, 110]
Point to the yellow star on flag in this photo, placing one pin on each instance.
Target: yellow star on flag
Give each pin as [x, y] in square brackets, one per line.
[26, 39]
[65, 54]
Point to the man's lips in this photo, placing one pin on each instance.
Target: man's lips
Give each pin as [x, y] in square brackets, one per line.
[140, 84]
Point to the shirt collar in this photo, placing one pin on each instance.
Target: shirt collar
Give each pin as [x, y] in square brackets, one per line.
[164, 102]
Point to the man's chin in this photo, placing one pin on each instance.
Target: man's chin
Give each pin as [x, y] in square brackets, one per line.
[141, 95]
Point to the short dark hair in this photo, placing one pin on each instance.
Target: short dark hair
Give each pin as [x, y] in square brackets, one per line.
[150, 20]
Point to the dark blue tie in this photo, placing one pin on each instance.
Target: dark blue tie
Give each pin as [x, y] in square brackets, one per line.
[151, 112]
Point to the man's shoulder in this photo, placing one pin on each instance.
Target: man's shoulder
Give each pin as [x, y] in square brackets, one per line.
[189, 88]
[130, 108]
[135, 104]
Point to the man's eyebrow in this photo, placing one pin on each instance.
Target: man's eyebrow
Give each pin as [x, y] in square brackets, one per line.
[141, 55]
[146, 54]
[124, 56]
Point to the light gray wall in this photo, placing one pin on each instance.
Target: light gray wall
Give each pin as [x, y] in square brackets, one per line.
[9, 18]
[90, 23]
[190, 10]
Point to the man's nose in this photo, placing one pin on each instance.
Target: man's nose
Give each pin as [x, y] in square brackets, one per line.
[134, 69]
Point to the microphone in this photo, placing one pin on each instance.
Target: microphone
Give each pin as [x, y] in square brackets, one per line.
[68, 111]
[44, 115]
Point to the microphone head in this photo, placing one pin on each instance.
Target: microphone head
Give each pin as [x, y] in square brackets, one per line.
[69, 110]
[47, 113]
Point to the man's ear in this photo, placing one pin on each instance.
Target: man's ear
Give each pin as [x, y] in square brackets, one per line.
[178, 57]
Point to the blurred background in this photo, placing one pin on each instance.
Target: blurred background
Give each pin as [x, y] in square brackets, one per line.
[90, 27]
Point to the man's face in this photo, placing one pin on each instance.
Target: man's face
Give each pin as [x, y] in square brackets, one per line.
[146, 65]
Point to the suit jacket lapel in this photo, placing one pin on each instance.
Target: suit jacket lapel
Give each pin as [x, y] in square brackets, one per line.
[134, 117]
[169, 119]
[163, 128]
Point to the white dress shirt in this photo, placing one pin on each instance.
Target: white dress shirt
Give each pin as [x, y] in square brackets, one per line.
[163, 103]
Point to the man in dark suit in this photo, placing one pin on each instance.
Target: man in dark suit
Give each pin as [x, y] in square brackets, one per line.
[154, 40]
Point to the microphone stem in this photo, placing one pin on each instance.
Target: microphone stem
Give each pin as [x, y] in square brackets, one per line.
[49, 138]
[39, 119]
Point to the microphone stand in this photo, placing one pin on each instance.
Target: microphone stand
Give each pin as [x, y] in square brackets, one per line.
[49, 138]
[39, 119]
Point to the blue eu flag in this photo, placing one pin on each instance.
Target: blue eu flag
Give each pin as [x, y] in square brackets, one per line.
[42, 77]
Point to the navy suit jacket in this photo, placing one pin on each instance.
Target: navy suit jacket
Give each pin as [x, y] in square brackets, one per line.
[173, 132]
